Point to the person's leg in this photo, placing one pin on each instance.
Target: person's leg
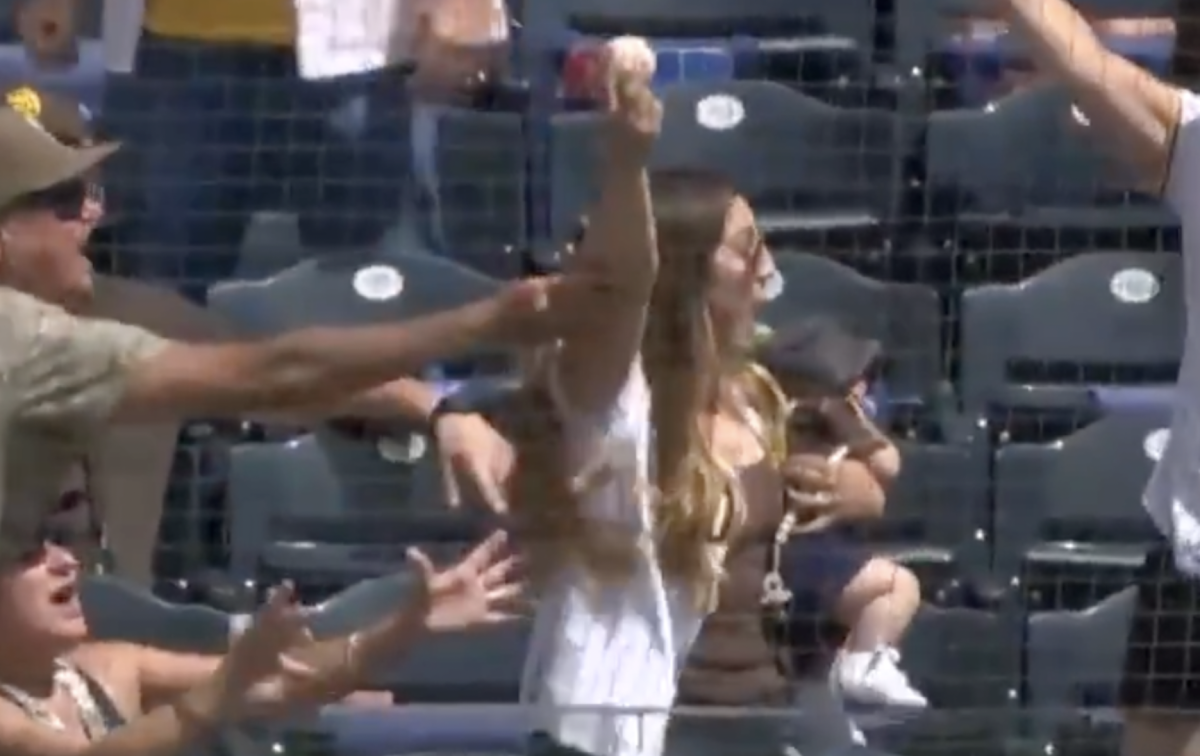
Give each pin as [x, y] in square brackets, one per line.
[350, 167]
[1160, 687]
[179, 199]
[878, 605]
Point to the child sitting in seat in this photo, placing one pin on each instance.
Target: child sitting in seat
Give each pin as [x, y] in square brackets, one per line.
[834, 446]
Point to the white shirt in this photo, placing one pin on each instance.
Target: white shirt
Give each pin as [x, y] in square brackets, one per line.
[1173, 494]
[607, 649]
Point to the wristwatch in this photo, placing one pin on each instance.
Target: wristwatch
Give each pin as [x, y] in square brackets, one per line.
[452, 403]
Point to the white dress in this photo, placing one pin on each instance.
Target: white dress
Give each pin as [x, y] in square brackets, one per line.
[603, 658]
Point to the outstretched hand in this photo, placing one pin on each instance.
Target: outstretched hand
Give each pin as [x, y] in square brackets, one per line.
[481, 589]
[472, 450]
[258, 675]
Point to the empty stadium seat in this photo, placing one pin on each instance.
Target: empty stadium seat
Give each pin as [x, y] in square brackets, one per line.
[1074, 662]
[936, 517]
[480, 171]
[967, 662]
[1026, 162]
[326, 510]
[1108, 318]
[347, 290]
[573, 155]
[905, 318]
[120, 611]
[1072, 508]
[815, 173]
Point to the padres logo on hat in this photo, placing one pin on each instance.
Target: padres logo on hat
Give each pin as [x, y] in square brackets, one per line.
[26, 102]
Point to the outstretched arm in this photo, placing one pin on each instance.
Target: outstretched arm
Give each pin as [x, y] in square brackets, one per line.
[1139, 114]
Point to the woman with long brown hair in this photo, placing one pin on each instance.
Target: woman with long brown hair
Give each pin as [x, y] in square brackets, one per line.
[632, 461]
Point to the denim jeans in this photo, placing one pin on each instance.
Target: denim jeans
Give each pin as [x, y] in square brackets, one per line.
[214, 132]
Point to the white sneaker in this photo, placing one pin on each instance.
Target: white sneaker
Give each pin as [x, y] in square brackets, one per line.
[874, 678]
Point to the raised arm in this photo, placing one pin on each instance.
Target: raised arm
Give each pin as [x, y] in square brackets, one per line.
[618, 254]
[1138, 114]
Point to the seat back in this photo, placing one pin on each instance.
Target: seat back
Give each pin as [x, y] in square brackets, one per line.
[938, 507]
[354, 290]
[805, 165]
[117, 610]
[704, 18]
[964, 659]
[480, 167]
[1027, 148]
[1100, 318]
[1074, 661]
[1079, 499]
[905, 318]
[574, 152]
[333, 509]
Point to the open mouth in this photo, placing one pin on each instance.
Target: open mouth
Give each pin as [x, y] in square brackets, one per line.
[64, 596]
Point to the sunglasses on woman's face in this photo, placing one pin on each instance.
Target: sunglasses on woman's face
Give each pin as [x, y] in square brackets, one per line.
[72, 527]
[65, 201]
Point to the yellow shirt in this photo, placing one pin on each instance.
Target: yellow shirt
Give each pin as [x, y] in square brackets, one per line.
[258, 21]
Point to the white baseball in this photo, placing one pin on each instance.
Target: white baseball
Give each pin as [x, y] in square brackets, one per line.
[632, 55]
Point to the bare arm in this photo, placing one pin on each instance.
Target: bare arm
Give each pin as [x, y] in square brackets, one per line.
[164, 731]
[1137, 112]
[619, 248]
[73, 374]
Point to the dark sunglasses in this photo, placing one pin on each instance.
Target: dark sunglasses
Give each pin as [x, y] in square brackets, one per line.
[73, 526]
[64, 200]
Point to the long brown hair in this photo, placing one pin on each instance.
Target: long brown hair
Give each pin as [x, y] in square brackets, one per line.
[697, 505]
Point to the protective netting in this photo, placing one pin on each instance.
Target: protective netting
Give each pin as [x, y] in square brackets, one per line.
[916, 180]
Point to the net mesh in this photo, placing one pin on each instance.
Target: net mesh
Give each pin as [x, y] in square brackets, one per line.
[916, 179]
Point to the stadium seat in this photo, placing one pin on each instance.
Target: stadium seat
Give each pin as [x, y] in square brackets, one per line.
[480, 165]
[816, 46]
[1108, 318]
[326, 510]
[271, 243]
[1028, 162]
[573, 155]
[815, 173]
[120, 611]
[937, 513]
[905, 318]
[967, 663]
[1074, 507]
[347, 290]
[1073, 662]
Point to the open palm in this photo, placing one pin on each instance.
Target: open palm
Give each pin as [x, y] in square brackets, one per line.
[258, 675]
[480, 589]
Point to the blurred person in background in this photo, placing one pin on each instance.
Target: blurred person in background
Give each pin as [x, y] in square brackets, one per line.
[51, 50]
[232, 106]
[646, 440]
[1155, 128]
[62, 694]
[69, 377]
[129, 467]
[826, 372]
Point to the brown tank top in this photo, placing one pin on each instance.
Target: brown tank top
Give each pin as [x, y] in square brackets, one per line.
[737, 660]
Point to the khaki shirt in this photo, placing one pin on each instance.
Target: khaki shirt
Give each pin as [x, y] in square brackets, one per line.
[61, 378]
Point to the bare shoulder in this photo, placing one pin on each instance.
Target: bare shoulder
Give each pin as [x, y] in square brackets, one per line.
[115, 666]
